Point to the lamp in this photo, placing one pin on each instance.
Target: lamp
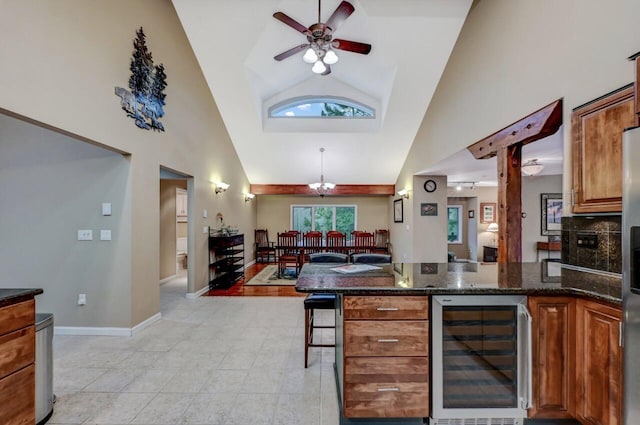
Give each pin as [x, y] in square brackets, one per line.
[221, 187]
[493, 228]
[322, 187]
[531, 168]
[404, 193]
[248, 197]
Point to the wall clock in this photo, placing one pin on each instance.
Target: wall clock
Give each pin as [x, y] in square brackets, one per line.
[430, 186]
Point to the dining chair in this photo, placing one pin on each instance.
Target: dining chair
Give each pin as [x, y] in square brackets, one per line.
[381, 242]
[312, 242]
[370, 258]
[316, 301]
[363, 243]
[336, 242]
[264, 247]
[288, 253]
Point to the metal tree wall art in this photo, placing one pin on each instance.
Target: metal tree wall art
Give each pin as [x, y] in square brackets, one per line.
[145, 101]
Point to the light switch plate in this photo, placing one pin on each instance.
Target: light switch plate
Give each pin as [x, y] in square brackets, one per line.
[85, 235]
[106, 208]
[105, 235]
[204, 213]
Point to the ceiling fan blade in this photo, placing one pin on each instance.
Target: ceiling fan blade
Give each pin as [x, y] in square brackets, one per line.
[342, 12]
[351, 46]
[287, 20]
[328, 70]
[291, 52]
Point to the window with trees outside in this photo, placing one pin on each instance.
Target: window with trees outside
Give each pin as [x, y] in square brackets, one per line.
[454, 223]
[323, 218]
[321, 107]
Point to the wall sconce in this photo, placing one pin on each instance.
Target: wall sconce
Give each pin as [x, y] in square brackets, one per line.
[221, 187]
[404, 193]
[248, 197]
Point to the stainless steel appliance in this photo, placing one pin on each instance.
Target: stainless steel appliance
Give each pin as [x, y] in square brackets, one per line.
[481, 359]
[631, 273]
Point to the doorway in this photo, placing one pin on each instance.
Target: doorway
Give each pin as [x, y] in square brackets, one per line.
[175, 230]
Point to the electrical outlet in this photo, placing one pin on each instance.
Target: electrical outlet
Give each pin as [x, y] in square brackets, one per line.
[85, 235]
[82, 299]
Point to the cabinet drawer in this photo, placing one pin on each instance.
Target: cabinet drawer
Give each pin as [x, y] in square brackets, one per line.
[386, 338]
[17, 392]
[386, 387]
[17, 316]
[17, 350]
[367, 307]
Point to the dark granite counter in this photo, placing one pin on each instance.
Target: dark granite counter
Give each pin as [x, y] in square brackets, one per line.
[545, 278]
[13, 296]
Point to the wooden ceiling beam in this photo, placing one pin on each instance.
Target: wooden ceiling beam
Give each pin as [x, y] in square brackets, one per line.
[538, 125]
[339, 190]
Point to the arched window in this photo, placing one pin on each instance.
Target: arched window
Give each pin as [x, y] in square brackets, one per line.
[321, 107]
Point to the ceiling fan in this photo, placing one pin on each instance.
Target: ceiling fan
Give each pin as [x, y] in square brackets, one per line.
[320, 41]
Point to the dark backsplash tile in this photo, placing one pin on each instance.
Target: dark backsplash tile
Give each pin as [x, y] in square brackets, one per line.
[608, 254]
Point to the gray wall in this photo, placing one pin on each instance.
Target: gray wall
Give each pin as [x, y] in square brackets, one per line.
[51, 186]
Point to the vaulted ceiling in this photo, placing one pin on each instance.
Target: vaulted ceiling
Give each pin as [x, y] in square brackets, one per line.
[235, 42]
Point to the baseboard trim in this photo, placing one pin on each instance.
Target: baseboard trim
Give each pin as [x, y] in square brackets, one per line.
[105, 331]
[194, 295]
[146, 323]
[250, 263]
[167, 279]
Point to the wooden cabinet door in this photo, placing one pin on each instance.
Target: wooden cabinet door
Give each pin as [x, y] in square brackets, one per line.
[597, 151]
[553, 357]
[599, 364]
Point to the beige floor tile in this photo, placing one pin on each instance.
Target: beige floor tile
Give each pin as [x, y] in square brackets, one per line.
[164, 409]
[254, 409]
[209, 409]
[187, 381]
[75, 379]
[122, 408]
[150, 381]
[113, 381]
[295, 409]
[225, 381]
[76, 408]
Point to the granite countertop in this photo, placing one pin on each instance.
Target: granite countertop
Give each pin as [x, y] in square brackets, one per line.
[544, 278]
[16, 295]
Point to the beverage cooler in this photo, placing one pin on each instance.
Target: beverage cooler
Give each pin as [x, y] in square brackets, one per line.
[481, 359]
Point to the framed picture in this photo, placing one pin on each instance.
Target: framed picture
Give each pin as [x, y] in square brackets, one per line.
[428, 268]
[487, 212]
[551, 213]
[430, 208]
[397, 211]
[472, 214]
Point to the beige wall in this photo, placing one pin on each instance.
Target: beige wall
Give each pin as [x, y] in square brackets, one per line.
[515, 56]
[274, 211]
[532, 188]
[168, 226]
[60, 63]
[51, 186]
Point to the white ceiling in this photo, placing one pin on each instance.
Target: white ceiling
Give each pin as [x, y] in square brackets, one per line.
[235, 41]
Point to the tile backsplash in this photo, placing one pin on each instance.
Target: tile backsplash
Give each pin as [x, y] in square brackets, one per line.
[605, 254]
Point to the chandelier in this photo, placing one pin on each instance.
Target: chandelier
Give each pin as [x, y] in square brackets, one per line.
[322, 187]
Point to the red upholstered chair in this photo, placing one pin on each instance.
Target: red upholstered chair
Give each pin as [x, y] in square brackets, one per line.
[289, 255]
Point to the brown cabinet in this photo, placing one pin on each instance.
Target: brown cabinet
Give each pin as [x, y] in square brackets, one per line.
[596, 129]
[553, 357]
[598, 364]
[17, 370]
[386, 363]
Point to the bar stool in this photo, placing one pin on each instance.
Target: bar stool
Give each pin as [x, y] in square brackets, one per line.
[319, 302]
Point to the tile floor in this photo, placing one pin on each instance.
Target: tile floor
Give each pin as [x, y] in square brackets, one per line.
[213, 360]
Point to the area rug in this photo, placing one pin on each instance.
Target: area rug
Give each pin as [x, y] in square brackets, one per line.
[269, 276]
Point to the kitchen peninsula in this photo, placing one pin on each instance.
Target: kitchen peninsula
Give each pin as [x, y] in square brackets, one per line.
[391, 327]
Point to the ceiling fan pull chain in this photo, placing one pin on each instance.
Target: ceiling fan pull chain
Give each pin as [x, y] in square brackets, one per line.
[319, 1]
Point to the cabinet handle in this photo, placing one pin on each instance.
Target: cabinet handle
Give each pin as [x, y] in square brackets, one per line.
[620, 335]
[573, 197]
[389, 389]
[387, 309]
[389, 340]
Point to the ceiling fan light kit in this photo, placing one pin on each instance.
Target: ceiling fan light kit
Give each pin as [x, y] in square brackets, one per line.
[320, 48]
[531, 168]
